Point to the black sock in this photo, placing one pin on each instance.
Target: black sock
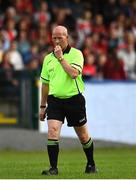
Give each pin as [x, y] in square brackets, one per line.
[53, 151]
[88, 149]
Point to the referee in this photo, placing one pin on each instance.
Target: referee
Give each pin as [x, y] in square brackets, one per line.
[61, 90]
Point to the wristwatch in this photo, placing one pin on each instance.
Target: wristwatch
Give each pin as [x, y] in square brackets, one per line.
[61, 58]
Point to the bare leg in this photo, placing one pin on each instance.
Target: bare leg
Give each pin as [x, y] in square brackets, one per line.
[82, 133]
[54, 128]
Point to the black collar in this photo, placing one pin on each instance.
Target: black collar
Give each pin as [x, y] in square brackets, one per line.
[67, 49]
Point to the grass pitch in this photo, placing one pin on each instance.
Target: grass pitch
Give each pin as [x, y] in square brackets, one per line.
[118, 163]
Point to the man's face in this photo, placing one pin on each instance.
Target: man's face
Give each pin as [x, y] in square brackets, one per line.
[60, 38]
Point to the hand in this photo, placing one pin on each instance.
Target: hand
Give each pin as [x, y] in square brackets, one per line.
[58, 51]
[42, 114]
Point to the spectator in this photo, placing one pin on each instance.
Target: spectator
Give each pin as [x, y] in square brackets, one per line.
[33, 65]
[15, 57]
[100, 64]
[10, 14]
[10, 30]
[5, 62]
[7, 79]
[89, 69]
[98, 25]
[114, 68]
[99, 44]
[33, 54]
[113, 38]
[23, 44]
[128, 56]
[87, 45]
[4, 43]
[42, 15]
[23, 7]
[84, 27]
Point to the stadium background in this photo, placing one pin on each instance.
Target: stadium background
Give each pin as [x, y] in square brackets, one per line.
[105, 30]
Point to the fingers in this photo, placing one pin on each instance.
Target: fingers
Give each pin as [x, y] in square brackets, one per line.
[58, 51]
[42, 115]
[42, 118]
[57, 48]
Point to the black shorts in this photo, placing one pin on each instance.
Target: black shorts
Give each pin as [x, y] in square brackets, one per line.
[73, 109]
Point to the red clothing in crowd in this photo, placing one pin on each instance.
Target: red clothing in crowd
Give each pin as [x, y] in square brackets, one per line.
[89, 70]
[114, 70]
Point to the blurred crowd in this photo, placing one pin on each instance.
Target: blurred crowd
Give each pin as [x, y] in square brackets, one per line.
[105, 31]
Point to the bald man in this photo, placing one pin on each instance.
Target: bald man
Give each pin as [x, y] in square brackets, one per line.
[61, 97]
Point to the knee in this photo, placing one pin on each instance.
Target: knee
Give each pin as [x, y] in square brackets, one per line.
[53, 133]
[84, 137]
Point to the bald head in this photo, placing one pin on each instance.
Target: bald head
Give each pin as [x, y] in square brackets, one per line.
[60, 36]
[60, 29]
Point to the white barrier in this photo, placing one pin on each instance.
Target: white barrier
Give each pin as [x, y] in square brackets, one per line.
[111, 112]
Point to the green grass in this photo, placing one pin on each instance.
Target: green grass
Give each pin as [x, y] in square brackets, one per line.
[118, 163]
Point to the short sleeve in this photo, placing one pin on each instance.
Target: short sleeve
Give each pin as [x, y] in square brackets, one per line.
[44, 73]
[78, 61]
